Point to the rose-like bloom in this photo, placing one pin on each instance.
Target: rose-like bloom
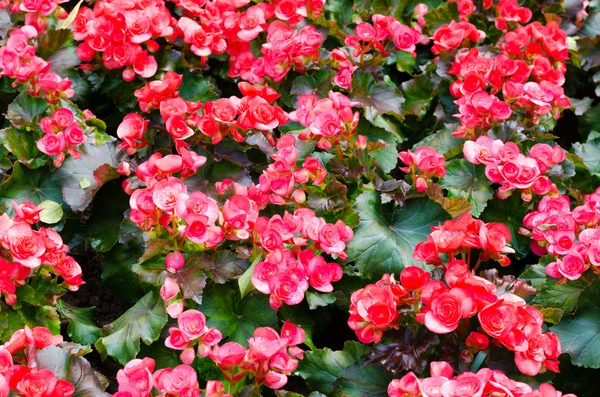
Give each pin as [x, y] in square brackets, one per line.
[178, 128]
[177, 380]
[26, 245]
[447, 308]
[166, 192]
[322, 274]
[275, 380]
[52, 144]
[63, 117]
[192, 323]
[39, 383]
[74, 135]
[288, 287]
[198, 203]
[332, 238]
[465, 385]
[131, 131]
[169, 290]
[228, 355]
[177, 340]
[372, 309]
[265, 343]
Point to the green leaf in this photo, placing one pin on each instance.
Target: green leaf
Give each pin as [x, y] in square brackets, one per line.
[562, 296]
[418, 94]
[318, 83]
[332, 198]
[380, 97]
[590, 153]
[580, 334]
[197, 87]
[23, 145]
[315, 299]
[74, 369]
[444, 14]
[97, 165]
[510, 212]
[117, 274]
[365, 381]
[31, 185]
[386, 157]
[320, 368]
[386, 237]
[467, 180]
[82, 328]
[536, 274]
[591, 27]
[443, 141]
[26, 109]
[103, 227]
[235, 317]
[52, 212]
[45, 316]
[144, 321]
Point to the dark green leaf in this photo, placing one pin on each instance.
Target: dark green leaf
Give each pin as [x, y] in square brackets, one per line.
[117, 274]
[22, 144]
[320, 368]
[237, 318]
[102, 229]
[443, 141]
[97, 165]
[365, 381]
[29, 185]
[562, 296]
[590, 152]
[144, 321]
[580, 334]
[26, 109]
[316, 299]
[386, 237]
[82, 328]
[418, 94]
[380, 97]
[467, 180]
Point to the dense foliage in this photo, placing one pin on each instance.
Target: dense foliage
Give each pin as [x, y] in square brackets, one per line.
[289, 197]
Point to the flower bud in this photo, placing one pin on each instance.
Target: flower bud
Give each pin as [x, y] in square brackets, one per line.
[174, 261]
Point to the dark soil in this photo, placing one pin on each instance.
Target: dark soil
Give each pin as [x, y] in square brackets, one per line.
[108, 308]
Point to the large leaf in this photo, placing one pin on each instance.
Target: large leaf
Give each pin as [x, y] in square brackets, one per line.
[590, 152]
[143, 321]
[22, 144]
[237, 318]
[386, 237]
[467, 180]
[418, 92]
[580, 334]
[26, 109]
[74, 369]
[102, 229]
[560, 296]
[510, 212]
[379, 97]
[364, 381]
[386, 157]
[320, 368]
[29, 185]
[117, 274]
[96, 166]
[82, 328]
[443, 141]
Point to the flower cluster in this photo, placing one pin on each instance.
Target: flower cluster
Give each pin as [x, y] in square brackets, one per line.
[441, 307]
[19, 374]
[138, 379]
[461, 236]
[235, 116]
[218, 27]
[119, 31]
[62, 135]
[423, 164]
[37, 12]
[455, 35]
[485, 382]
[30, 249]
[571, 236]
[278, 182]
[506, 165]
[529, 71]
[270, 359]
[165, 206]
[383, 36]
[191, 328]
[328, 120]
[19, 62]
